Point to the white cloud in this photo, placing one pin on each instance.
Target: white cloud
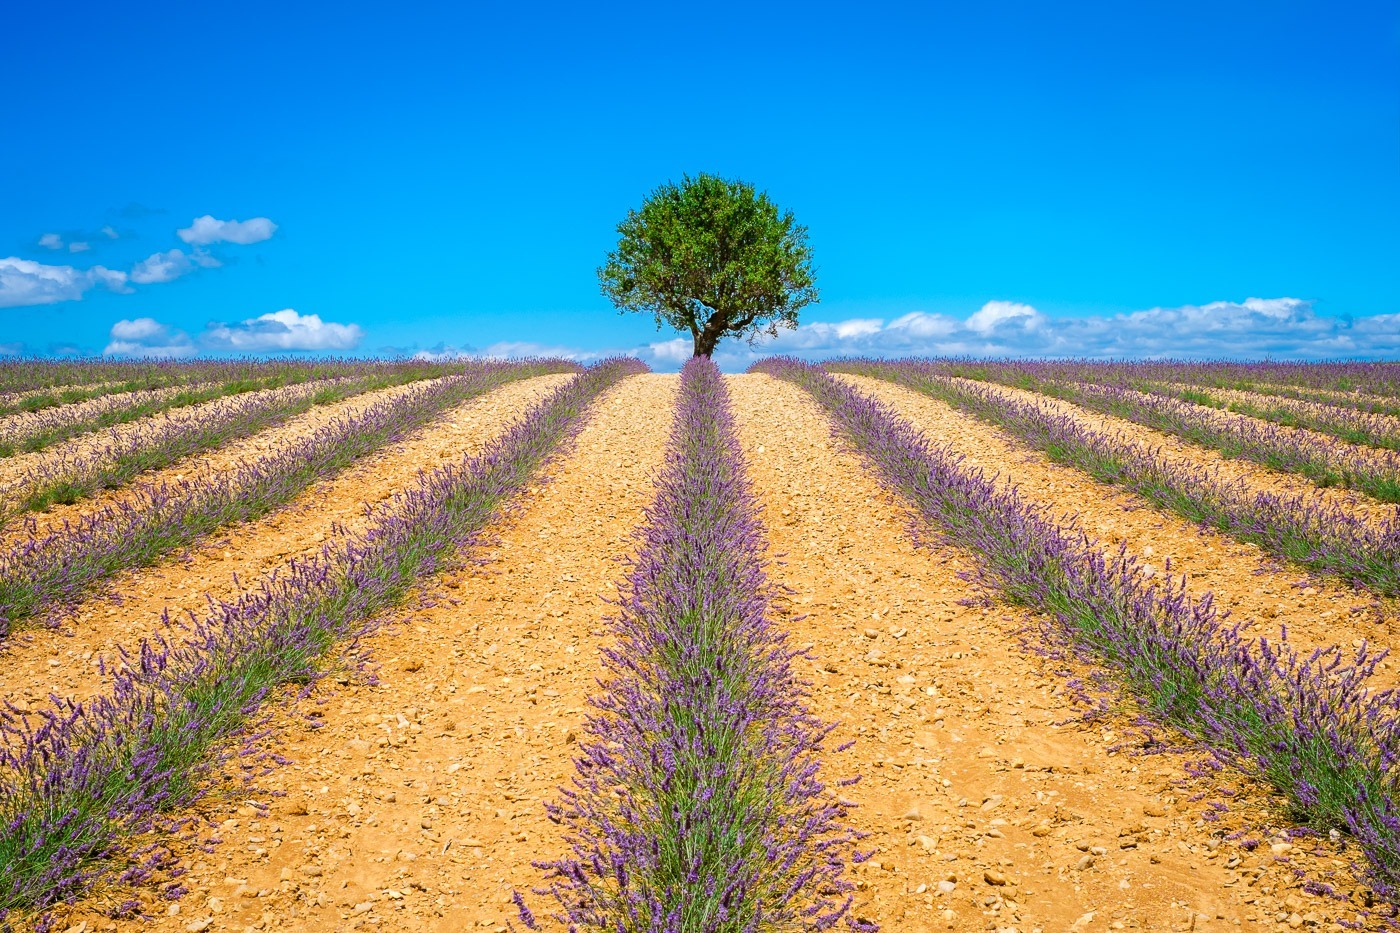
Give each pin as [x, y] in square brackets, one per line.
[1253, 328]
[205, 230]
[282, 330]
[25, 282]
[996, 315]
[110, 232]
[170, 265]
[79, 247]
[147, 338]
[1288, 328]
[51, 241]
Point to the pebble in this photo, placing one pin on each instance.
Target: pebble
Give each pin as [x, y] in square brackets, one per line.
[993, 877]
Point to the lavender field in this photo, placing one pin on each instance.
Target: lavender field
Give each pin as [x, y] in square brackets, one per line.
[926, 644]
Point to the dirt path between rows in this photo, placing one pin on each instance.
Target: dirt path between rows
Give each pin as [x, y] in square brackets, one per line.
[62, 661]
[15, 471]
[1173, 449]
[221, 459]
[984, 813]
[1254, 588]
[416, 804]
[1381, 424]
[19, 427]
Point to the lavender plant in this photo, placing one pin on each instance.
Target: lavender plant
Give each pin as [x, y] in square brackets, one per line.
[78, 785]
[52, 426]
[1369, 428]
[1307, 724]
[49, 570]
[698, 805]
[33, 385]
[1327, 464]
[166, 440]
[1378, 381]
[1322, 538]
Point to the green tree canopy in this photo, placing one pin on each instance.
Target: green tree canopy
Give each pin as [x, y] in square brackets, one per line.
[712, 257]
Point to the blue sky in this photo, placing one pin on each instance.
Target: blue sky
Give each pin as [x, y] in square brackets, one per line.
[1030, 178]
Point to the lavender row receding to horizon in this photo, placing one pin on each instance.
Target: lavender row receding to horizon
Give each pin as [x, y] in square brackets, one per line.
[698, 805]
[1373, 426]
[1325, 461]
[81, 787]
[50, 570]
[1380, 381]
[27, 433]
[158, 442]
[34, 385]
[1319, 537]
[1308, 725]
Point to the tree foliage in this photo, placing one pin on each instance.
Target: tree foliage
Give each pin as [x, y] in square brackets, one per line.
[712, 257]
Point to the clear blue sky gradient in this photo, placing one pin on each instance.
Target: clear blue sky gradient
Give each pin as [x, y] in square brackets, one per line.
[453, 173]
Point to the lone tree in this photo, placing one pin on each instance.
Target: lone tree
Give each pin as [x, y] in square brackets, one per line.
[713, 257]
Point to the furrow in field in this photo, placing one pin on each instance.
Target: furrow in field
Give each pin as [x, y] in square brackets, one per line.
[13, 402]
[1359, 427]
[62, 661]
[222, 459]
[1176, 450]
[18, 428]
[430, 782]
[979, 773]
[1361, 401]
[18, 473]
[1317, 612]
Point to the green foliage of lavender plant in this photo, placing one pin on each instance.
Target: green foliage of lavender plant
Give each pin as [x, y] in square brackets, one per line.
[1323, 418]
[1320, 538]
[697, 807]
[1308, 725]
[121, 409]
[1324, 464]
[163, 443]
[47, 571]
[76, 787]
[40, 384]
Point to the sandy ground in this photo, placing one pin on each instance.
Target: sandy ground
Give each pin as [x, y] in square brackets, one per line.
[221, 459]
[413, 802]
[1380, 423]
[1172, 449]
[20, 426]
[1252, 587]
[62, 660]
[16, 472]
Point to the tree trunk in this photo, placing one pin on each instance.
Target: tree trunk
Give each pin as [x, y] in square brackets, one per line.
[705, 344]
[706, 339]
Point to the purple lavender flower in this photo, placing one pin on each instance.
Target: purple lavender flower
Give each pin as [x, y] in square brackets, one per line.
[1309, 725]
[698, 803]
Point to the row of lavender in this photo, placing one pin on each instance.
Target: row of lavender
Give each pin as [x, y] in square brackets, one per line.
[1321, 538]
[1244, 435]
[33, 385]
[79, 788]
[49, 570]
[698, 804]
[1355, 417]
[1373, 423]
[1309, 726]
[67, 477]
[27, 433]
[1366, 382]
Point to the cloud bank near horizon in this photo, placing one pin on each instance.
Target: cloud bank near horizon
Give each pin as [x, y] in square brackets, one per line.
[1251, 329]
[275, 332]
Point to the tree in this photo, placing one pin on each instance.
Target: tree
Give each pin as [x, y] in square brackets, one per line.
[713, 257]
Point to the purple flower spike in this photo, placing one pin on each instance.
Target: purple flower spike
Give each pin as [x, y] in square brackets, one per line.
[697, 805]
